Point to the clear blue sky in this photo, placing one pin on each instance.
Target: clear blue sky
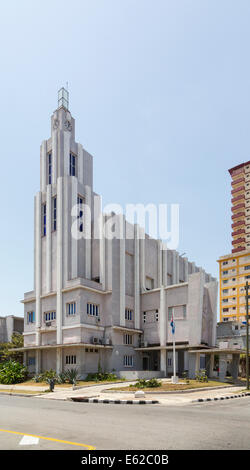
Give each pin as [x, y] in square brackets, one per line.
[160, 91]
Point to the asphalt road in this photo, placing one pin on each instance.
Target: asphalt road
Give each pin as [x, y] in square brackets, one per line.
[212, 425]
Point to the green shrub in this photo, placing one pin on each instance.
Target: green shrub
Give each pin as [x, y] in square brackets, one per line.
[62, 378]
[71, 375]
[201, 376]
[101, 376]
[154, 383]
[142, 383]
[12, 372]
[151, 383]
[45, 376]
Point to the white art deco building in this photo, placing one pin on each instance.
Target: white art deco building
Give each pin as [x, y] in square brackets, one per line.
[99, 302]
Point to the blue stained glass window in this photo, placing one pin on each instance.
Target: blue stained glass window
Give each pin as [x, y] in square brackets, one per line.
[44, 219]
[72, 165]
[49, 168]
[54, 213]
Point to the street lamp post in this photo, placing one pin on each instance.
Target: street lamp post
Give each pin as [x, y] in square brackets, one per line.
[247, 345]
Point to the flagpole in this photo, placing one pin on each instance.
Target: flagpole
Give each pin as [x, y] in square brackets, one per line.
[174, 377]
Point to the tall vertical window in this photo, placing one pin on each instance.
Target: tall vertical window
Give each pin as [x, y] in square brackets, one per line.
[80, 214]
[30, 317]
[54, 213]
[71, 308]
[44, 219]
[128, 314]
[128, 361]
[49, 168]
[72, 164]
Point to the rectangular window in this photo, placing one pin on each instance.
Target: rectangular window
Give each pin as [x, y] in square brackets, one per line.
[144, 317]
[93, 310]
[49, 316]
[72, 164]
[128, 314]
[127, 339]
[54, 213]
[246, 267]
[184, 311]
[43, 219]
[224, 262]
[31, 361]
[128, 361]
[224, 273]
[170, 312]
[71, 308]
[225, 291]
[49, 167]
[31, 317]
[80, 213]
[70, 359]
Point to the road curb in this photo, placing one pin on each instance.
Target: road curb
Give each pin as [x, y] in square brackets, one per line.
[19, 394]
[241, 395]
[116, 402]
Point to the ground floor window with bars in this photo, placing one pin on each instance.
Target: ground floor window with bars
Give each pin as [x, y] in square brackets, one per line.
[70, 359]
[128, 361]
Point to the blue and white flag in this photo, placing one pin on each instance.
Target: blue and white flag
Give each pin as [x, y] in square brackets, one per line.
[172, 324]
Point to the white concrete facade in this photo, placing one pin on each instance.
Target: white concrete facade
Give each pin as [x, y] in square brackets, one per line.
[131, 283]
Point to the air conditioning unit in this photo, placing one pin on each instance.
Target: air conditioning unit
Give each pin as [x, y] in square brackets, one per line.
[224, 345]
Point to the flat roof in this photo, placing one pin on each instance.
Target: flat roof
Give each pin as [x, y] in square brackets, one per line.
[233, 255]
[237, 167]
[219, 351]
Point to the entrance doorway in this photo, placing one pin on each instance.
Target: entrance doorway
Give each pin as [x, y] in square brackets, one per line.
[145, 363]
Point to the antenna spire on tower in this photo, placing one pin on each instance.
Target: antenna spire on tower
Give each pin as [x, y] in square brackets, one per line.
[63, 98]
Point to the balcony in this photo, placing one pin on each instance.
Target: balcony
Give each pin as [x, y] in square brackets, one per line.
[240, 214]
[237, 190]
[238, 198]
[239, 206]
[237, 172]
[238, 232]
[237, 224]
[239, 240]
[240, 248]
[239, 180]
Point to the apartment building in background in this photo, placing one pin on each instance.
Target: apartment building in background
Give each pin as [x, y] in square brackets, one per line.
[235, 267]
[106, 303]
[9, 325]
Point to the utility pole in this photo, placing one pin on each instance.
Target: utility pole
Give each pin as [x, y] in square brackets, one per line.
[247, 345]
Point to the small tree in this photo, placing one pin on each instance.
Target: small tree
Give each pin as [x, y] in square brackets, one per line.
[5, 349]
[12, 372]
